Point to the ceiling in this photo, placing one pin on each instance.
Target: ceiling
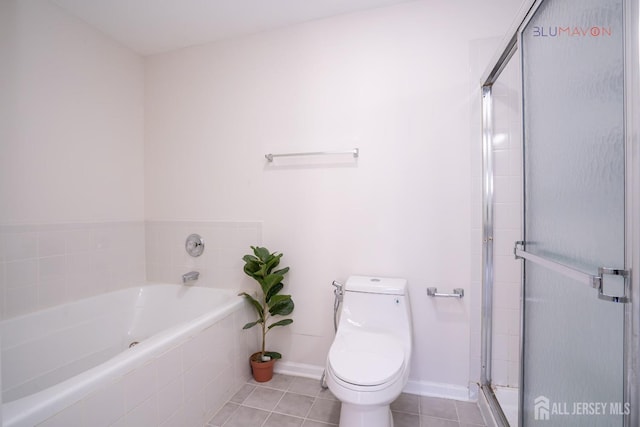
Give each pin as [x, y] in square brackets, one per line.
[154, 26]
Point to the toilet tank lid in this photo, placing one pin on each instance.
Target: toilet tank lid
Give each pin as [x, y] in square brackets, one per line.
[376, 285]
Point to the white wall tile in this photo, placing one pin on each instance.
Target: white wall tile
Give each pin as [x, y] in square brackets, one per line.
[501, 163]
[507, 228]
[514, 348]
[105, 406]
[500, 346]
[52, 292]
[194, 379]
[194, 411]
[3, 234]
[169, 366]
[177, 419]
[139, 385]
[504, 240]
[193, 352]
[217, 392]
[3, 287]
[102, 257]
[515, 161]
[20, 246]
[507, 215]
[505, 190]
[500, 324]
[170, 398]
[51, 243]
[20, 300]
[21, 274]
[52, 268]
[514, 322]
[507, 295]
[145, 414]
[69, 417]
[499, 372]
[80, 240]
[221, 263]
[513, 374]
[507, 269]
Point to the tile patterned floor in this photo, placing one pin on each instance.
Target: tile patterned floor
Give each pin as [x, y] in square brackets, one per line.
[288, 401]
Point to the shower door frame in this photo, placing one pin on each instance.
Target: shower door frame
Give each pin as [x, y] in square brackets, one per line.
[509, 47]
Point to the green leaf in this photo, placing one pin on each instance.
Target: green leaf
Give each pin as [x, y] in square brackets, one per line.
[250, 258]
[282, 272]
[278, 299]
[262, 253]
[274, 290]
[273, 354]
[251, 269]
[270, 281]
[273, 262]
[282, 322]
[255, 304]
[281, 305]
[251, 324]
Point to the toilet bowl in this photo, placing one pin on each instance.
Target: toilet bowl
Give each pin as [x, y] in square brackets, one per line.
[369, 359]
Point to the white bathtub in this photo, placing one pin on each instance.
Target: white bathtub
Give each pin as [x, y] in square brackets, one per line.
[72, 366]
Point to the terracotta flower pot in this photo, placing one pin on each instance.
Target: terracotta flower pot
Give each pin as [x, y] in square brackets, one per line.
[262, 371]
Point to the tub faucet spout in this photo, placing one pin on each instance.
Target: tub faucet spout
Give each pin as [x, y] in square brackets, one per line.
[191, 276]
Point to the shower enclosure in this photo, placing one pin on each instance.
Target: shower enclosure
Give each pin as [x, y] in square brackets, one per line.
[560, 313]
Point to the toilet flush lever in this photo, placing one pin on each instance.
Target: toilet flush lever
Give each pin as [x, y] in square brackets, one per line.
[457, 293]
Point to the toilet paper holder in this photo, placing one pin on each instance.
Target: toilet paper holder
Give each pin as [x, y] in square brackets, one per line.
[457, 293]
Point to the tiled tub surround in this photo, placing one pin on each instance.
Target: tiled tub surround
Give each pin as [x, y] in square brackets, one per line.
[220, 265]
[191, 358]
[45, 265]
[288, 401]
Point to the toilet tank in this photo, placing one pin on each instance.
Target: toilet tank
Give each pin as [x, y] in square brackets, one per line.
[377, 304]
[376, 285]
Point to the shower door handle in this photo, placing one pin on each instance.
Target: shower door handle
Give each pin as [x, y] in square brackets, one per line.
[596, 282]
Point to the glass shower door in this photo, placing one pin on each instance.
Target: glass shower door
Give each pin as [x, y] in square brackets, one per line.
[574, 221]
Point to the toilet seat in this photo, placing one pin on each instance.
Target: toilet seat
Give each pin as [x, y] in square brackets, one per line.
[366, 358]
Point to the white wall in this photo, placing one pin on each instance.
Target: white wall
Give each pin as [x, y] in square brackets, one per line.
[71, 160]
[72, 120]
[395, 82]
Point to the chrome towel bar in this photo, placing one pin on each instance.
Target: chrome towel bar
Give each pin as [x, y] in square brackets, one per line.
[457, 293]
[355, 152]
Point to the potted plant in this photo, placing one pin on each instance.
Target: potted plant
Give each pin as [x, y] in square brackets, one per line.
[261, 267]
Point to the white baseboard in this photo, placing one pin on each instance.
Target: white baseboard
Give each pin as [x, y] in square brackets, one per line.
[422, 388]
[298, 369]
[446, 391]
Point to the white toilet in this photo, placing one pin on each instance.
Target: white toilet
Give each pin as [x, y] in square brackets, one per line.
[368, 363]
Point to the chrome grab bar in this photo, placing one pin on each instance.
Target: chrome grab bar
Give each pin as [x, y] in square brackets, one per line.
[355, 152]
[594, 281]
[457, 293]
